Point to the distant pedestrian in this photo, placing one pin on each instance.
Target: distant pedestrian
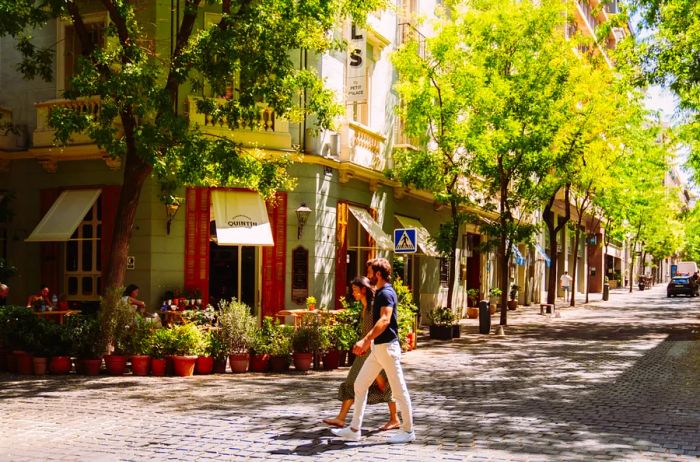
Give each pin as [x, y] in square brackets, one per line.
[4, 290]
[565, 281]
[383, 341]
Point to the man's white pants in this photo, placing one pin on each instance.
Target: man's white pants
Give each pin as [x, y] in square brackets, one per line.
[567, 293]
[385, 356]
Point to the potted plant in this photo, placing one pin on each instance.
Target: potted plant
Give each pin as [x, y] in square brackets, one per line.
[59, 339]
[139, 347]
[205, 361]
[494, 296]
[281, 347]
[115, 317]
[87, 344]
[441, 320]
[17, 324]
[473, 308]
[350, 317]
[311, 303]
[301, 345]
[39, 347]
[238, 326]
[161, 343]
[187, 348]
[260, 347]
[513, 302]
[218, 349]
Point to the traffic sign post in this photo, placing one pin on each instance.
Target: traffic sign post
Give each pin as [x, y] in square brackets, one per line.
[405, 240]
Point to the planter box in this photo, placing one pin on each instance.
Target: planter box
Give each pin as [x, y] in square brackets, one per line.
[441, 332]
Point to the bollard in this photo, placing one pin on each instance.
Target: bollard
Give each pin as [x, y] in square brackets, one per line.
[606, 292]
[484, 317]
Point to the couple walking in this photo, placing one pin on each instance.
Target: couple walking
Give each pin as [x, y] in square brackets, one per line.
[381, 340]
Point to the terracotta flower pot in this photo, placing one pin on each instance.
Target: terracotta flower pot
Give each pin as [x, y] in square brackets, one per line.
[512, 305]
[239, 362]
[169, 365]
[184, 365]
[204, 365]
[60, 365]
[473, 312]
[89, 366]
[279, 363]
[220, 366]
[158, 367]
[40, 365]
[302, 361]
[140, 365]
[259, 362]
[24, 363]
[331, 360]
[115, 364]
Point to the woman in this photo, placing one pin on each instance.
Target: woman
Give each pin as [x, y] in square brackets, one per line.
[129, 296]
[362, 291]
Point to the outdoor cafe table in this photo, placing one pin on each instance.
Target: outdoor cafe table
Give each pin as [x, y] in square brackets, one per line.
[299, 315]
[56, 315]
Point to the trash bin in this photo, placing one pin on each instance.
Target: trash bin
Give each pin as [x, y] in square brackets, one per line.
[484, 317]
[606, 291]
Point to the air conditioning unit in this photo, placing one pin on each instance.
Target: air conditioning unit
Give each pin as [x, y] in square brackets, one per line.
[618, 33]
[324, 143]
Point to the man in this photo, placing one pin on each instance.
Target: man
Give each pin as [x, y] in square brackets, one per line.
[40, 299]
[565, 281]
[4, 290]
[383, 340]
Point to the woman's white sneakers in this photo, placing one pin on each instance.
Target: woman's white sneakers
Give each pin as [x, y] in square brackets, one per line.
[403, 437]
[348, 434]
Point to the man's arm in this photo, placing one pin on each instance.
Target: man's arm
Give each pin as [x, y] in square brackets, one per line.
[380, 326]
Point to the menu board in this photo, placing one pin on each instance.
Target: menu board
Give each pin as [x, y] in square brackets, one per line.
[300, 274]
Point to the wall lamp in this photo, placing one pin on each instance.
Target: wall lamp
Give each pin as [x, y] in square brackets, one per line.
[303, 213]
[171, 208]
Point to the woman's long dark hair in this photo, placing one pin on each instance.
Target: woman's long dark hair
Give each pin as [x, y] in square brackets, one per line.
[130, 288]
[362, 282]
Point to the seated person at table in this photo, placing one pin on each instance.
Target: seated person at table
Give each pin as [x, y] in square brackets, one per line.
[130, 294]
[63, 304]
[40, 299]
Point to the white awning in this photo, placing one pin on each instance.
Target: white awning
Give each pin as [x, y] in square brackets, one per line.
[241, 218]
[64, 216]
[383, 241]
[424, 242]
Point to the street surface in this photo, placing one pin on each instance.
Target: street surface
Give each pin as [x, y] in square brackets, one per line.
[616, 381]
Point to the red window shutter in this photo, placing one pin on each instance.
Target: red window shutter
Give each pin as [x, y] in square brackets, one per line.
[341, 264]
[197, 241]
[50, 251]
[275, 258]
[110, 202]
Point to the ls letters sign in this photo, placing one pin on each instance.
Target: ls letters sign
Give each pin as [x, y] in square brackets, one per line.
[357, 71]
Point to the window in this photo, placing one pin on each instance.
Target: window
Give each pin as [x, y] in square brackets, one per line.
[69, 48]
[83, 257]
[444, 272]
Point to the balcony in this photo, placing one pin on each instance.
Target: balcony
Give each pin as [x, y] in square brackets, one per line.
[44, 134]
[265, 131]
[366, 147]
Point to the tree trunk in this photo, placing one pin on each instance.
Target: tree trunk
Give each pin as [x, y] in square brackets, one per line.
[135, 174]
[503, 251]
[453, 253]
[574, 270]
[548, 217]
[633, 245]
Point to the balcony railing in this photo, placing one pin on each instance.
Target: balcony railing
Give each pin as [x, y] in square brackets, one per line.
[264, 129]
[366, 147]
[44, 133]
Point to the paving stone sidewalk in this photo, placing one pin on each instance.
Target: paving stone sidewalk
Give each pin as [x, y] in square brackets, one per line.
[615, 380]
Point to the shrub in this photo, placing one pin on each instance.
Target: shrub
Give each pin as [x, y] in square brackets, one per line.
[441, 316]
[116, 317]
[87, 340]
[189, 340]
[162, 342]
[281, 341]
[238, 325]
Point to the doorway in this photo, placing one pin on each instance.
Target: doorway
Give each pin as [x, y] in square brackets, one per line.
[232, 273]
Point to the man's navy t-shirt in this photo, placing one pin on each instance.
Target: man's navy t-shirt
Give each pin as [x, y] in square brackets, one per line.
[386, 297]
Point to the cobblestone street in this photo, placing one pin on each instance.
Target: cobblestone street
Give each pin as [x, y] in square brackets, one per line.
[616, 380]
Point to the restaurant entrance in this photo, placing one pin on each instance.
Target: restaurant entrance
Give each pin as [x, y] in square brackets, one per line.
[232, 273]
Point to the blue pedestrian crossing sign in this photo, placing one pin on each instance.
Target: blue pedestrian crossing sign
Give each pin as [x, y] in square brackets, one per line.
[405, 240]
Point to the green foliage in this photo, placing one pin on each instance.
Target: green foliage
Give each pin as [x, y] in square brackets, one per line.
[140, 336]
[86, 337]
[473, 295]
[312, 336]
[406, 310]
[238, 326]
[16, 324]
[281, 340]
[441, 316]
[203, 317]
[216, 345]
[116, 318]
[7, 270]
[262, 337]
[189, 340]
[514, 291]
[495, 292]
[162, 342]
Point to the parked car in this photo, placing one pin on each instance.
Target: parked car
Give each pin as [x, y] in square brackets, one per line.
[682, 285]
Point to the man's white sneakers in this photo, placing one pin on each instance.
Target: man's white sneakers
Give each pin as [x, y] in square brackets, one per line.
[347, 434]
[403, 437]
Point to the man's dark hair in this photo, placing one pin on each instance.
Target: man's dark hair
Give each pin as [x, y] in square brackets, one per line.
[382, 266]
[369, 262]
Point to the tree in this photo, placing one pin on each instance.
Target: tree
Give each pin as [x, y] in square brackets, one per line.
[138, 80]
